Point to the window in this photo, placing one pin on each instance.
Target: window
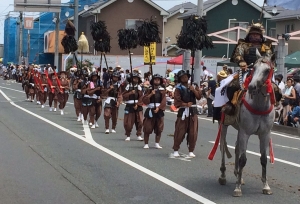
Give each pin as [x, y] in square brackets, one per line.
[292, 28]
[287, 29]
[132, 23]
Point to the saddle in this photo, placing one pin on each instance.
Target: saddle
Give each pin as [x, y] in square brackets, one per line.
[230, 119]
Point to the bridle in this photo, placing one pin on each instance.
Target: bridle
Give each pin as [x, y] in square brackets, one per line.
[269, 90]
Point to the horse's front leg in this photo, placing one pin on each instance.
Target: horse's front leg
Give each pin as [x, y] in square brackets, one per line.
[264, 142]
[242, 142]
[222, 178]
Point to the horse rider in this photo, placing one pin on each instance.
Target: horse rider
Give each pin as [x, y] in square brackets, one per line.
[245, 55]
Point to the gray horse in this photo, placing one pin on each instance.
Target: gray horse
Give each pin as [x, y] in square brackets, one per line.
[255, 118]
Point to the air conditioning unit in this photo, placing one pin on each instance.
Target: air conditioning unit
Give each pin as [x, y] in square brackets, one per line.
[49, 42]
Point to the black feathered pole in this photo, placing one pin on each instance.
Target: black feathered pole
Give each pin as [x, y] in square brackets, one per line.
[193, 38]
[102, 39]
[69, 42]
[128, 39]
[148, 33]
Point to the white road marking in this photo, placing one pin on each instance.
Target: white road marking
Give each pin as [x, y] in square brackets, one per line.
[258, 154]
[12, 89]
[201, 118]
[160, 178]
[87, 133]
[286, 147]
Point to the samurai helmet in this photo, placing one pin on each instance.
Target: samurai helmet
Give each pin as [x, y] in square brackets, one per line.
[94, 74]
[116, 74]
[181, 73]
[134, 75]
[256, 28]
[157, 76]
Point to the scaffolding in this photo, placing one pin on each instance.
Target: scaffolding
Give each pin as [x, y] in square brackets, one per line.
[42, 24]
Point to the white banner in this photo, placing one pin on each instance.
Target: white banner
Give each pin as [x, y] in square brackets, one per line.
[221, 92]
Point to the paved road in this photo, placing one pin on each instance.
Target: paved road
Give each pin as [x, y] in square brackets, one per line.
[49, 158]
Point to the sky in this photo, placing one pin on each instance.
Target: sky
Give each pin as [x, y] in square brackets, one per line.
[7, 6]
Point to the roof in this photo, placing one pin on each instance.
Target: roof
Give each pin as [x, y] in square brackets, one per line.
[210, 4]
[96, 7]
[287, 14]
[187, 5]
[176, 9]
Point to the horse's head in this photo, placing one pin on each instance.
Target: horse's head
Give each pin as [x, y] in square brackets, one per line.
[262, 71]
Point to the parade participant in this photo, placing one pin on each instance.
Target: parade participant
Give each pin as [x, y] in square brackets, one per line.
[25, 83]
[112, 102]
[185, 97]
[133, 110]
[63, 94]
[94, 92]
[245, 56]
[53, 92]
[217, 110]
[43, 89]
[86, 100]
[31, 84]
[36, 84]
[155, 98]
[77, 85]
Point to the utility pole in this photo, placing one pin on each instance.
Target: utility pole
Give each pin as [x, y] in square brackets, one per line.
[198, 53]
[76, 4]
[186, 60]
[28, 46]
[21, 39]
[281, 53]
[56, 56]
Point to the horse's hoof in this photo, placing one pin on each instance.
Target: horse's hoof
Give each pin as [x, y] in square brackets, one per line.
[222, 181]
[243, 182]
[267, 192]
[237, 193]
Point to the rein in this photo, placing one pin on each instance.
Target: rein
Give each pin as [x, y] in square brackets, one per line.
[268, 84]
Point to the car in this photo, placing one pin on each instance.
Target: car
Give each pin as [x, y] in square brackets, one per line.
[293, 72]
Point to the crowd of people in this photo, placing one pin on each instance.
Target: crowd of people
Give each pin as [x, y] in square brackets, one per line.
[288, 110]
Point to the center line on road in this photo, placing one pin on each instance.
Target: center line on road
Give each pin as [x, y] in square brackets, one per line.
[90, 141]
[258, 154]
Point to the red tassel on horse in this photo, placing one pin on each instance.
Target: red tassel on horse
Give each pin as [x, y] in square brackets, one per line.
[214, 149]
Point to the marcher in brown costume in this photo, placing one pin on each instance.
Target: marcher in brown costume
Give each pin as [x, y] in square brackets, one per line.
[156, 100]
[77, 85]
[187, 120]
[133, 96]
[112, 102]
[36, 86]
[94, 93]
[31, 86]
[53, 92]
[43, 94]
[86, 100]
[26, 84]
[62, 97]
